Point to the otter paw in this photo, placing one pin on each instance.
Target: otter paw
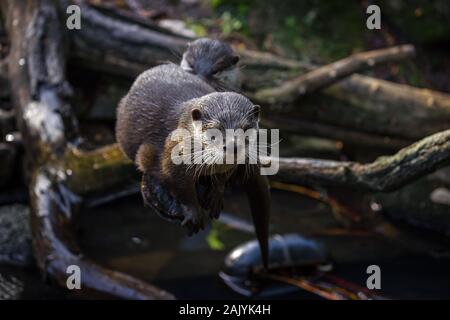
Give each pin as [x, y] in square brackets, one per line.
[215, 206]
[194, 220]
[158, 198]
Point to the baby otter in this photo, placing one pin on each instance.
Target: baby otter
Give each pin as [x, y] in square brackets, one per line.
[166, 98]
[214, 61]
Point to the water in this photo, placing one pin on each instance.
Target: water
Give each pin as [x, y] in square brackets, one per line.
[128, 237]
[125, 236]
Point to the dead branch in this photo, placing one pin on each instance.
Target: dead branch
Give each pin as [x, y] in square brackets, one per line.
[326, 75]
[385, 174]
[39, 92]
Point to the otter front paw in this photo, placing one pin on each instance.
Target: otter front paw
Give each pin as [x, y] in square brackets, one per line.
[158, 198]
[214, 203]
[194, 220]
[211, 199]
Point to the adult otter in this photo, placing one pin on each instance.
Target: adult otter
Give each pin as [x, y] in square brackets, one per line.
[166, 98]
[214, 61]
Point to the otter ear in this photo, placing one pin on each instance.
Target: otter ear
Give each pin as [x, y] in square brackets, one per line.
[196, 114]
[255, 111]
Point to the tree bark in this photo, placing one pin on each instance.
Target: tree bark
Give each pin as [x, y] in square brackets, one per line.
[39, 92]
[385, 174]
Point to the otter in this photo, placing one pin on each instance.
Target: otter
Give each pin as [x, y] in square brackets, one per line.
[214, 61]
[166, 98]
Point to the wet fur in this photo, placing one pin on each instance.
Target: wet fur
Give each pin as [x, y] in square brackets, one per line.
[215, 62]
[160, 101]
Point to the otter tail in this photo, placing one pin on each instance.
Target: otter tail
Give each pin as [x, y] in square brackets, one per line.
[258, 193]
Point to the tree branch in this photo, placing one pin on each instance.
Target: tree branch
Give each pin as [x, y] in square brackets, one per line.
[326, 75]
[385, 174]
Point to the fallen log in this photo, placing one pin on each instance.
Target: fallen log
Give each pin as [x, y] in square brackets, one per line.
[39, 92]
[390, 108]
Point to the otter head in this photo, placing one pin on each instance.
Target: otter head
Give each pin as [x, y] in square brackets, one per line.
[224, 128]
[213, 60]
